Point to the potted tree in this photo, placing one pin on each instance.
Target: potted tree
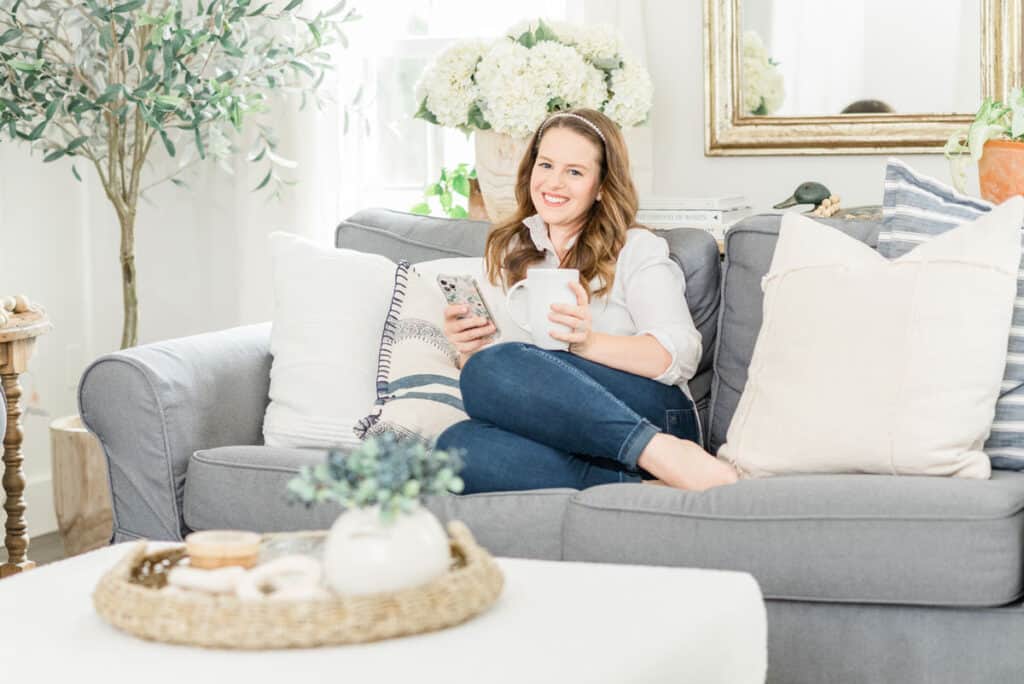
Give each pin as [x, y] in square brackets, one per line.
[995, 141]
[108, 82]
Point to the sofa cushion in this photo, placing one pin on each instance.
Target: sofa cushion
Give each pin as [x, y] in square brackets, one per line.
[418, 393]
[838, 538]
[243, 487]
[749, 246]
[917, 208]
[398, 235]
[842, 321]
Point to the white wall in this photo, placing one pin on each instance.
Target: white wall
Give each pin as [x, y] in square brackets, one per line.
[675, 58]
[202, 261]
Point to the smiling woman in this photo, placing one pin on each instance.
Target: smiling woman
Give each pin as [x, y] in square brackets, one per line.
[614, 406]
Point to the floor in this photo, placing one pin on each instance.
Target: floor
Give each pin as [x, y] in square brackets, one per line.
[43, 549]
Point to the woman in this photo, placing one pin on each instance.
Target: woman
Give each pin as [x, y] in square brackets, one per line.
[615, 407]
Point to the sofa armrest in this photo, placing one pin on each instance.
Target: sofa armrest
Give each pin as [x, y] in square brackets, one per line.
[153, 406]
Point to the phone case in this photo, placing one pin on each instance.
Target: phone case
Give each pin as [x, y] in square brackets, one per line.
[463, 289]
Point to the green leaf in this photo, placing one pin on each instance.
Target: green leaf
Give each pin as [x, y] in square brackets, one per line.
[9, 35]
[76, 143]
[303, 67]
[110, 94]
[129, 6]
[180, 183]
[259, 10]
[433, 190]
[460, 184]
[28, 67]
[169, 101]
[544, 32]
[13, 106]
[458, 212]
[292, 5]
[526, 40]
[199, 142]
[422, 208]
[168, 145]
[74, 172]
[446, 201]
[38, 130]
[315, 30]
[263, 183]
[55, 155]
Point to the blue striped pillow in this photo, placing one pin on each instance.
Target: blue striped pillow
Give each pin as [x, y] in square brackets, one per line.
[916, 208]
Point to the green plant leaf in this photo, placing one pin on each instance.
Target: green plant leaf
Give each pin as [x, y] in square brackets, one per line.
[458, 211]
[129, 6]
[28, 67]
[74, 172]
[55, 155]
[110, 94]
[544, 32]
[303, 67]
[421, 208]
[37, 132]
[433, 189]
[9, 35]
[292, 5]
[263, 183]
[76, 143]
[460, 184]
[446, 201]
[424, 113]
[168, 145]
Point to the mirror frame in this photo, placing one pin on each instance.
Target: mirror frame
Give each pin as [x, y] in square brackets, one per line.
[726, 133]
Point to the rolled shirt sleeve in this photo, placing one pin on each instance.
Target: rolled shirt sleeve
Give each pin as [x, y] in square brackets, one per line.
[654, 289]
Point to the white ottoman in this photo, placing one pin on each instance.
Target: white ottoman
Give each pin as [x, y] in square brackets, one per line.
[555, 622]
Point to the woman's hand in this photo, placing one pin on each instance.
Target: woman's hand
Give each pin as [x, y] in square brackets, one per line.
[467, 335]
[576, 318]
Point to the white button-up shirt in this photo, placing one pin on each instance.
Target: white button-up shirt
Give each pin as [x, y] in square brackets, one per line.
[647, 298]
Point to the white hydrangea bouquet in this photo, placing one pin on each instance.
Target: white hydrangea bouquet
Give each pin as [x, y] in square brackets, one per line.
[763, 92]
[511, 84]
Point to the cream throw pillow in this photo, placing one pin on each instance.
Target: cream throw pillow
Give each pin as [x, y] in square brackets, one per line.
[329, 309]
[865, 365]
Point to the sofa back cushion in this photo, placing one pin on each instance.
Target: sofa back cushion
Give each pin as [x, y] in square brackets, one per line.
[398, 235]
[749, 247]
[916, 209]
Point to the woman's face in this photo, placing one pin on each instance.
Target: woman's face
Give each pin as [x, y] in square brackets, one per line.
[565, 179]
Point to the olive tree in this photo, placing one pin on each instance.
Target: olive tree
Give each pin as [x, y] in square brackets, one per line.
[104, 81]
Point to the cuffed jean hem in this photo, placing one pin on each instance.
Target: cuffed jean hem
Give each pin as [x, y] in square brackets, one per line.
[635, 443]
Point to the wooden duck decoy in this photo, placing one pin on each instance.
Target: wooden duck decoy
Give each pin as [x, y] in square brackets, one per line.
[806, 193]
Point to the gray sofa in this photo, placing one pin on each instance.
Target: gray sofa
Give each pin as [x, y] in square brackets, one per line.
[867, 578]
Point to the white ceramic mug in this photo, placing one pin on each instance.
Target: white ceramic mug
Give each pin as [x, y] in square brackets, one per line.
[544, 287]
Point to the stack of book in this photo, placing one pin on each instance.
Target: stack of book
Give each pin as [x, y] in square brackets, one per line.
[713, 214]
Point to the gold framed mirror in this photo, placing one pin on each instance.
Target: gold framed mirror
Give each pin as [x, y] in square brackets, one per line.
[875, 55]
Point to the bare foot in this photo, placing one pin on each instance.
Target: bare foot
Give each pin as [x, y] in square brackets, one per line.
[684, 465]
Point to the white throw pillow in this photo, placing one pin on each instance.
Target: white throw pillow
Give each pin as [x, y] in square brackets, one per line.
[329, 311]
[865, 365]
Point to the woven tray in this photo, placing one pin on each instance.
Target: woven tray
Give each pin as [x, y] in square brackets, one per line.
[471, 585]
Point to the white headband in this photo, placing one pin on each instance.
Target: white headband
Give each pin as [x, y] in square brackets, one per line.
[593, 127]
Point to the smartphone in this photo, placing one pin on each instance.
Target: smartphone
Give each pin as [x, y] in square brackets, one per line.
[463, 289]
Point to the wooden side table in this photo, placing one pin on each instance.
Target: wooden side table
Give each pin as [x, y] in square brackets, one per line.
[17, 343]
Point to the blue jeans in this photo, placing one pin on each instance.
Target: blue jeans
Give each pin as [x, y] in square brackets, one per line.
[542, 419]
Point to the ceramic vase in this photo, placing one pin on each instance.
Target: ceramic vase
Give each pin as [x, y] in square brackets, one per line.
[497, 162]
[364, 554]
[1001, 170]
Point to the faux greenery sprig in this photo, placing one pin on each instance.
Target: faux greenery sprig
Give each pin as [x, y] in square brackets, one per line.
[454, 182]
[101, 80]
[384, 471]
[995, 120]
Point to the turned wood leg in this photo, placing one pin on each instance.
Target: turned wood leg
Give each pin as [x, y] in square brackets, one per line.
[16, 538]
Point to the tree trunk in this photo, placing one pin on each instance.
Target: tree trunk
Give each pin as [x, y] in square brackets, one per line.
[130, 329]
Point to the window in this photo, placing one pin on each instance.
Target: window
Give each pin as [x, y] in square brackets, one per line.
[392, 155]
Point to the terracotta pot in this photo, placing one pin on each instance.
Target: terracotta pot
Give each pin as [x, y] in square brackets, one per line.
[1001, 170]
[497, 162]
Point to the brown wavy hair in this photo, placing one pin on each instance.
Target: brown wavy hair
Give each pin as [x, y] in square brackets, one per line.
[603, 233]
